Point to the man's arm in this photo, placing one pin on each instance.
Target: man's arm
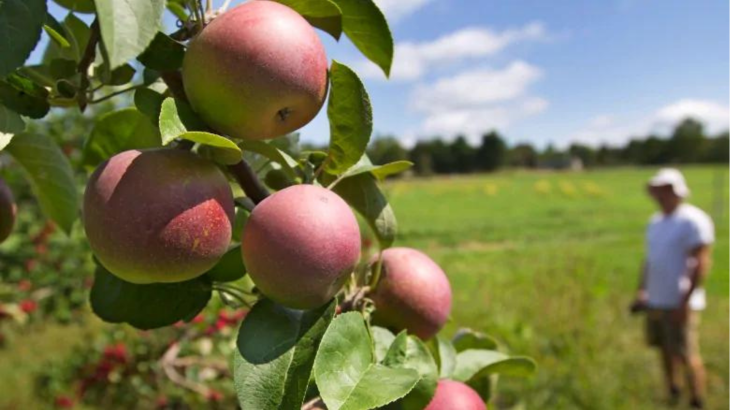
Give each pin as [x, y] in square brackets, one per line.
[698, 271]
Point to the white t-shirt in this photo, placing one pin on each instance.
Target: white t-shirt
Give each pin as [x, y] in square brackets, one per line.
[669, 241]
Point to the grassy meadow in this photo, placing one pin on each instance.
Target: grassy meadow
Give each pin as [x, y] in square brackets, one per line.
[547, 263]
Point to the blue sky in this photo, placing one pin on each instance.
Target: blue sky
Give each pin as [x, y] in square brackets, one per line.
[544, 71]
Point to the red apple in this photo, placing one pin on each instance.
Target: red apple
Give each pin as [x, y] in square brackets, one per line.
[258, 71]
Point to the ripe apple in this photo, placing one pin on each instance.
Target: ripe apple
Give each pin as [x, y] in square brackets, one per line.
[300, 244]
[258, 71]
[452, 395]
[413, 293]
[158, 215]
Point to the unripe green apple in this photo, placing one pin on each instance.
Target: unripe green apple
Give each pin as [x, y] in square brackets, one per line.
[7, 211]
[300, 245]
[413, 293]
[452, 395]
[158, 215]
[257, 71]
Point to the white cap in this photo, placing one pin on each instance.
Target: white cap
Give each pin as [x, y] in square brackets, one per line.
[671, 176]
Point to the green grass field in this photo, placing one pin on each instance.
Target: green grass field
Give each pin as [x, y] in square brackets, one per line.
[547, 263]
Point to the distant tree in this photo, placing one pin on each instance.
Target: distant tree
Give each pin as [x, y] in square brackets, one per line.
[522, 155]
[463, 156]
[717, 149]
[607, 156]
[421, 157]
[443, 161]
[383, 150]
[492, 153]
[586, 154]
[687, 142]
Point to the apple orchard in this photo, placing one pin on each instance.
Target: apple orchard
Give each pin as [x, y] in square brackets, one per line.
[176, 216]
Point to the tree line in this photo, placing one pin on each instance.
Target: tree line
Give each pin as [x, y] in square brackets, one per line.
[687, 143]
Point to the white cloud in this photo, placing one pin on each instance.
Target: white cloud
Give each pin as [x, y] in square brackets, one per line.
[715, 116]
[413, 59]
[478, 100]
[475, 87]
[605, 129]
[396, 9]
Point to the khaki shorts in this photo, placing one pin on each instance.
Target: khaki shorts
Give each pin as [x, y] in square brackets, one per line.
[662, 331]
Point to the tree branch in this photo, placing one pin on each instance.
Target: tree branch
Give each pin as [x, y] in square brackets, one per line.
[249, 181]
[86, 60]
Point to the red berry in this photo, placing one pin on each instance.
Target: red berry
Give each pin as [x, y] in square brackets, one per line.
[28, 305]
[64, 402]
[198, 319]
[214, 395]
[161, 402]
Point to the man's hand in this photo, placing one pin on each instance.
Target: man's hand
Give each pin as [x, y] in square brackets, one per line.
[639, 304]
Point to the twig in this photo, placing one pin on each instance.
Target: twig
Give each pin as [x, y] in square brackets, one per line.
[167, 363]
[250, 183]
[86, 60]
[224, 7]
[174, 82]
[116, 93]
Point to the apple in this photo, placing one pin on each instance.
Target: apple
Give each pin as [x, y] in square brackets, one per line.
[413, 293]
[300, 245]
[160, 215]
[258, 71]
[453, 395]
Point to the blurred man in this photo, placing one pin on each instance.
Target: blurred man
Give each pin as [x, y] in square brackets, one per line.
[678, 241]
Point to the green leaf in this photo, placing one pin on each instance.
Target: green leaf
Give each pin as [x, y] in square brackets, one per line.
[21, 23]
[445, 355]
[24, 96]
[56, 36]
[230, 267]
[351, 119]
[471, 339]
[362, 193]
[382, 339]
[119, 76]
[10, 122]
[5, 139]
[378, 171]
[77, 33]
[409, 352]
[345, 371]
[50, 174]
[223, 150]
[365, 25]
[147, 306]
[119, 131]
[277, 179]
[178, 10]
[163, 54]
[81, 6]
[148, 102]
[288, 164]
[475, 363]
[127, 27]
[276, 351]
[177, 118]
[323, 14]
